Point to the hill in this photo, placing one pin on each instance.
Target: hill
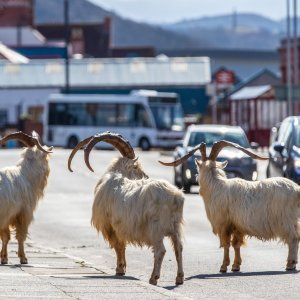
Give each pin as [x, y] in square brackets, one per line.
[234, 31]
[125, 32]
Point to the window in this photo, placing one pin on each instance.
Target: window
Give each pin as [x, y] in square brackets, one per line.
[106, 114]
[142, 117]
[210, 137]
[126, 117]
[99, 114]
[3, 118]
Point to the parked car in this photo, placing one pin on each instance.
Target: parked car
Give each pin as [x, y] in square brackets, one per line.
[284, 150]
[239, 164]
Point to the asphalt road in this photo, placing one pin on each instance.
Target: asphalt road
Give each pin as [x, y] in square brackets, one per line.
[62, 221]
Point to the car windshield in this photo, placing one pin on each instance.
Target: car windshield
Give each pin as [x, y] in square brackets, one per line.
[168, 117]
[209, 138]
[297, 139]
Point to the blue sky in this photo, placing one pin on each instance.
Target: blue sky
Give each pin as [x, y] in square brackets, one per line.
[165, 11]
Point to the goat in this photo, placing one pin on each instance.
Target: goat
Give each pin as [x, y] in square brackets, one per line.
[21, 187]
[266, 209]
[130, 208]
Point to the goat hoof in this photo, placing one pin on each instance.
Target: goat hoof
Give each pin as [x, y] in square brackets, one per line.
[153, 281]
[120, 273]
[4, 261]
[223, 269]
[235, 268]
[291, 265]
[23, 261]
[179, 280]
[290, 268]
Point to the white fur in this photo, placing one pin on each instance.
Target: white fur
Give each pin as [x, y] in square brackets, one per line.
[21, 187]
[266, 209]
[129, 208]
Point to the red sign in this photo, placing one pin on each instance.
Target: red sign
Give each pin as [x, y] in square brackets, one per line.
[224, 77]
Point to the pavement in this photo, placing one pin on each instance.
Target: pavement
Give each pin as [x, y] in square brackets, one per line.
[51, 274]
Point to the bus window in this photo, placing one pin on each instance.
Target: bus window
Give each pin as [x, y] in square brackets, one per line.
[126, 115]
[168, 116]
[106, 114]
[142, 117]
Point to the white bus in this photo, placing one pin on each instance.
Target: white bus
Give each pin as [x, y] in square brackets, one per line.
[146, 118]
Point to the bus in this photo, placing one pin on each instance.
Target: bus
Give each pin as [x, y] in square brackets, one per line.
[146, 118]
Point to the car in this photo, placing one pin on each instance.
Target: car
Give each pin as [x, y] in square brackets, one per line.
[239, 164]
[284, 150]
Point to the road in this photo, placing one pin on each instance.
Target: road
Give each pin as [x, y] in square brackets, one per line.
[62, 221]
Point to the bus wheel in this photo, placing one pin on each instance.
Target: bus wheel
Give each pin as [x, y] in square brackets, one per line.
[144, 144]
[72, 142]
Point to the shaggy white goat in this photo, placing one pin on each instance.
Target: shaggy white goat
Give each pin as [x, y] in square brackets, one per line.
[21, 187]
[266, 209]
[130, 208]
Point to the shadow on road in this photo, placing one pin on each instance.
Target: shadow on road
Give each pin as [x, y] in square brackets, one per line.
[241, 274]
[84, 277]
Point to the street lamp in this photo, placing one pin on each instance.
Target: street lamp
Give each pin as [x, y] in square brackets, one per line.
[288, 58]
[67, 41]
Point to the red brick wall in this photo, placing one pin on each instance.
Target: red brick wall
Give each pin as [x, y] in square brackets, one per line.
[16, 12]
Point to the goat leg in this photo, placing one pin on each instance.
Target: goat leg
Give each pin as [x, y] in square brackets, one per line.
[5, 237]
[292, 259]
[159, 253]
[177, 244]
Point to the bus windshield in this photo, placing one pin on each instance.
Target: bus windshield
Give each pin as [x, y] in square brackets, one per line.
[168, 117]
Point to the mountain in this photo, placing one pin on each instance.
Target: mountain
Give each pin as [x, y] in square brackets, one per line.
[125, 32]
[252, 22]
[234, 31]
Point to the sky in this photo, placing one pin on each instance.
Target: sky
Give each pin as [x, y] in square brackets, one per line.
[168, 11]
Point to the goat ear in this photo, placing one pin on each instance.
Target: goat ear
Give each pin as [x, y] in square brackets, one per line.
[223, 164]
[198, 162]
[35, 135]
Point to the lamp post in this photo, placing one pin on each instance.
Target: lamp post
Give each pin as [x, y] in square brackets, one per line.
[288, 59]
[295, 44]
[67, 41]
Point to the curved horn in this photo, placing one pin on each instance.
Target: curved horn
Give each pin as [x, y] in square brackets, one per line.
[112, 138]
[20, 136]
[36, 142]
[179, 161]
[202, 149]
[78, 146]
[27, 140]
[218, 146]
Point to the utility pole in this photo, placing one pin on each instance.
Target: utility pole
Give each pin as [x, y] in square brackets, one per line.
[295, 44]
[288, 58]
[67, 42]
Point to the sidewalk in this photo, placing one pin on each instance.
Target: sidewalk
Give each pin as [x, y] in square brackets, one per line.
[51, 274]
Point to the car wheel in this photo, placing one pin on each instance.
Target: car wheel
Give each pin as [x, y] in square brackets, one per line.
[144, 144]
[176, 181]
[72, 142]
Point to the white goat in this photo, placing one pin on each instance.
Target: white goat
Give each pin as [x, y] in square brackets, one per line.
[21, 187]
[266, 209]
[130, 208]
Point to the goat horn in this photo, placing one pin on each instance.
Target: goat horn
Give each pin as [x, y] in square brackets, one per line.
[37, 143]
[74, 151]
[185, 157]
[218, 146]
[202, 149]
[20, 136]
[27, 140]
[112, 138]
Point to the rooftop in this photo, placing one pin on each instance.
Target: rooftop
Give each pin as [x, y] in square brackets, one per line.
[124, 72]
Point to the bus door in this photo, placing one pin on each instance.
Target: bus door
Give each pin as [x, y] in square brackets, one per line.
[134, 123]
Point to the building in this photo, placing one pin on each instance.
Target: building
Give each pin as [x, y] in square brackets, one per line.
[25, 88]
[89, 40]
[244, 63]
[16, 13]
